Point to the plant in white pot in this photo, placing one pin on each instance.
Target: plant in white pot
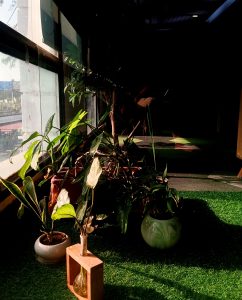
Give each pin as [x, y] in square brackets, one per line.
[161, 226]
[50, 246]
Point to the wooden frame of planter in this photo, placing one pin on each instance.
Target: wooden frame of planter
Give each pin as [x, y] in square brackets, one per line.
[94, 267]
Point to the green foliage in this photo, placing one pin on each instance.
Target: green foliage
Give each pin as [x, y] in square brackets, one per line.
[161, 201]
[55, 152]
[156, 197]
[28, 199]
[110, 165]
[64, 209]
[77, 88]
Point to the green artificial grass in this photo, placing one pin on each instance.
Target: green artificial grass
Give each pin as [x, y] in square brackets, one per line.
[205, 264]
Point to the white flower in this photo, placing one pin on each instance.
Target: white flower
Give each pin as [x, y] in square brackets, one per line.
[94, 173]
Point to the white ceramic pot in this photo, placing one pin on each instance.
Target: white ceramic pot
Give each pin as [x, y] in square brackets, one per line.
[51, 254]
[161, 234]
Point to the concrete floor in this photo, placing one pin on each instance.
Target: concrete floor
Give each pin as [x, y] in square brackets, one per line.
[196, 164]
[205, 182]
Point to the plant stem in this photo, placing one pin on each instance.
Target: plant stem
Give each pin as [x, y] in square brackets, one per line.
[152, 136]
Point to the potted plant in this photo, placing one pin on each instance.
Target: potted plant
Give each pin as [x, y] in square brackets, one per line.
[160, 227]
[50, 246]
[53, 157]
[84, 223]
[110, 170]
[103, 158]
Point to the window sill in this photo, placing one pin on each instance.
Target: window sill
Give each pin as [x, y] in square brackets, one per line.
[8, 169]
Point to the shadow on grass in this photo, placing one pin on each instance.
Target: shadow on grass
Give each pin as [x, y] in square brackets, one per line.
[206, 242]
[135, 293]
[210, 241]
[124, 292]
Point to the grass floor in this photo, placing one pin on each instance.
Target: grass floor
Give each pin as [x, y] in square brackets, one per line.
[205, 264]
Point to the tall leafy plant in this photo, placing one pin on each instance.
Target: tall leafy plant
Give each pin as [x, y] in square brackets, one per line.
[54, 151]
[28, 200]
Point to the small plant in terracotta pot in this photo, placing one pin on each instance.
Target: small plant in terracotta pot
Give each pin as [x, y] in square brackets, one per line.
[84, 223]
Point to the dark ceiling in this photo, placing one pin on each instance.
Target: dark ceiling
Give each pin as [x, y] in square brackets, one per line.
[173, 40]
[148, 15]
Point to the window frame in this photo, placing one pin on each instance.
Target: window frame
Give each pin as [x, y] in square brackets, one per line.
[15, 44]
[19, 46]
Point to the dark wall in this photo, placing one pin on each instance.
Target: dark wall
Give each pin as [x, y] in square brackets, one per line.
[197, 71]
[198, 63]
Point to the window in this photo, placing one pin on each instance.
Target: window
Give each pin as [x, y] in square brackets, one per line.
[29, 95]
[31, 71]
[27, 18]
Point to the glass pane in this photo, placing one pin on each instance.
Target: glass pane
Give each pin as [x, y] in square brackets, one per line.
[28, 97]
[24, 16]
[71, 47]
[71, 41]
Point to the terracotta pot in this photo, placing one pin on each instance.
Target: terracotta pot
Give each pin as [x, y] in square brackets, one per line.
[51, 254]
[161, 234]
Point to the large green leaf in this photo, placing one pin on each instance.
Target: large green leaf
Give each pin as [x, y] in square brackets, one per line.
[71, 134]
[105, 115]
[82, 207]
[15, 191]
[123, 217]
[34, 148]
[64, 211]
[20, 211]
[171, 205]
[96, 143]
[44, 208]
[31, 137]
[49, 125]
[68, 143]
[158, 187]
[83, 177]
[165, 172]
[32, 201]
[29, 188]
[19, 195]
[79, 116]
[31, 150]
[78, 120]
[55, 141]
[35, 160]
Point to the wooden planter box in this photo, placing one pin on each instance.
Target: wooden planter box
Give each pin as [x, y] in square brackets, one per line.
[94, 267]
